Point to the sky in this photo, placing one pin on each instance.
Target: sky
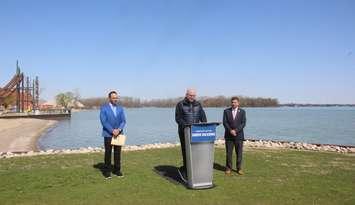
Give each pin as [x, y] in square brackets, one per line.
[293, 50]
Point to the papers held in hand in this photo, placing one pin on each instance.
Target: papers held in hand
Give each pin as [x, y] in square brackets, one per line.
[118, 140]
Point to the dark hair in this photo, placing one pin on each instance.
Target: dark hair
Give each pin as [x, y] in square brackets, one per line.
[235, 98]
[112, 92]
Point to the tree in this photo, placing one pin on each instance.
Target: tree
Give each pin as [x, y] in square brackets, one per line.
[63, 99]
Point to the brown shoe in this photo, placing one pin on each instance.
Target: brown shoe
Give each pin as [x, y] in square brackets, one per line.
[228, 172]
[240, 172]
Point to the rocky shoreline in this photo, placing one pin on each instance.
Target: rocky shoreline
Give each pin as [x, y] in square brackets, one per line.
[262, 144]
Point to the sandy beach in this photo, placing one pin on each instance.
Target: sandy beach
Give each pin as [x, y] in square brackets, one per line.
[21, 135]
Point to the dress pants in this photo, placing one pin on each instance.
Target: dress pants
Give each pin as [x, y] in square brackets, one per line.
[116, 155]
[230, 145]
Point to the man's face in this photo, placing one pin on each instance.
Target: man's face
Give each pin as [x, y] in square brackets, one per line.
[114, 99]
[235, 103]
[191, 96]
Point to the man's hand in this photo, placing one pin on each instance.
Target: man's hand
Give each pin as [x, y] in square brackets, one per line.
[233, 132]
[116, 132]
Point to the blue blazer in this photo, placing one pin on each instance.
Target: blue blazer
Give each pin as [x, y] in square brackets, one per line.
[109, 121]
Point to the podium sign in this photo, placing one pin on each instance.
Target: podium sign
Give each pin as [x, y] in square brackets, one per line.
[203, 133]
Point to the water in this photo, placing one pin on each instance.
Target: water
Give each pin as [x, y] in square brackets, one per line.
[328, 125]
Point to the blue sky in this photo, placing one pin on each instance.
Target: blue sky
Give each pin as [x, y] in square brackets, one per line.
[293, 50]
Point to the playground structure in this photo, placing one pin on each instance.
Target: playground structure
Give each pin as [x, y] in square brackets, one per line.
[23, 90]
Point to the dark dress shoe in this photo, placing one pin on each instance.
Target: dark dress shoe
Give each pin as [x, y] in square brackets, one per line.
[118, 173]
[107, 175]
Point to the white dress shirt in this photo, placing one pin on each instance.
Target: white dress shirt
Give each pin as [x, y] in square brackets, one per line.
[114, 109]
[234, 112]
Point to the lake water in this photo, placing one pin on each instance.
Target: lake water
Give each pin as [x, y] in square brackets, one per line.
[327, 125]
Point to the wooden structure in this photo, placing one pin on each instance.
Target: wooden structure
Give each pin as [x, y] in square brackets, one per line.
[24, 90]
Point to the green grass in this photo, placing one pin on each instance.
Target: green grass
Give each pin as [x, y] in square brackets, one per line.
[272, 177]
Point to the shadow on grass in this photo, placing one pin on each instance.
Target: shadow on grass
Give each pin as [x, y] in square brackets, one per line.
[101, 167]
[219, 167]
[170, 173]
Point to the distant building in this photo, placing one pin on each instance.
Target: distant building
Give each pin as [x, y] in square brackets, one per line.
[76, 104]
[47, 105]
[51, 104]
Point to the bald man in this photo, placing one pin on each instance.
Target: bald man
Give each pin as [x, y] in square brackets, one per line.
[187, 111]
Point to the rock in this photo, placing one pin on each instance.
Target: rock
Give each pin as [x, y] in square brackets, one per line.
[219, 142]
[77, 151]
[268, 145]
[57, 151]
[50, 151]
[9, 155]
[66, 151]
[98, 149]
[134, 148]
[328, 148]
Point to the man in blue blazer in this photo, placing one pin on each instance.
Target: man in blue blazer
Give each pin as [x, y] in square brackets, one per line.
[113, 121]
[234, 121]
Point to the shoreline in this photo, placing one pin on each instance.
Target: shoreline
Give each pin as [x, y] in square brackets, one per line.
[219, 143]
[50, 124]
[21, 135]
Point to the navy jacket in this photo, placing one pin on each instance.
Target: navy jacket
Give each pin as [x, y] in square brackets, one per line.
[189, 112]
[238, 123]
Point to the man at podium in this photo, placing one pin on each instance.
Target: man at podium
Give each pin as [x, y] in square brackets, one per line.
[187, 111]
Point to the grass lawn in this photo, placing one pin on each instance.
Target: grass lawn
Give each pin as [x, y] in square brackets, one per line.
[271, 177]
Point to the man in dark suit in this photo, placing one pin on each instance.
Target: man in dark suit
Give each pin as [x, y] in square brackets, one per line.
[234, 120]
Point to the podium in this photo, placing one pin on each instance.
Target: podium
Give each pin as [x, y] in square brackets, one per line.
[199, 144]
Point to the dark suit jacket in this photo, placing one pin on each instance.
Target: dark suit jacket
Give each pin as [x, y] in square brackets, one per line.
[237, 124]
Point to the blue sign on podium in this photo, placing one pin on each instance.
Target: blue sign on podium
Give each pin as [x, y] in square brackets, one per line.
[203, 133]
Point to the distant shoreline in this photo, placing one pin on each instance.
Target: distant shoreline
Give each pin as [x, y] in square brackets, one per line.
[280, 106]
[316, 105]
